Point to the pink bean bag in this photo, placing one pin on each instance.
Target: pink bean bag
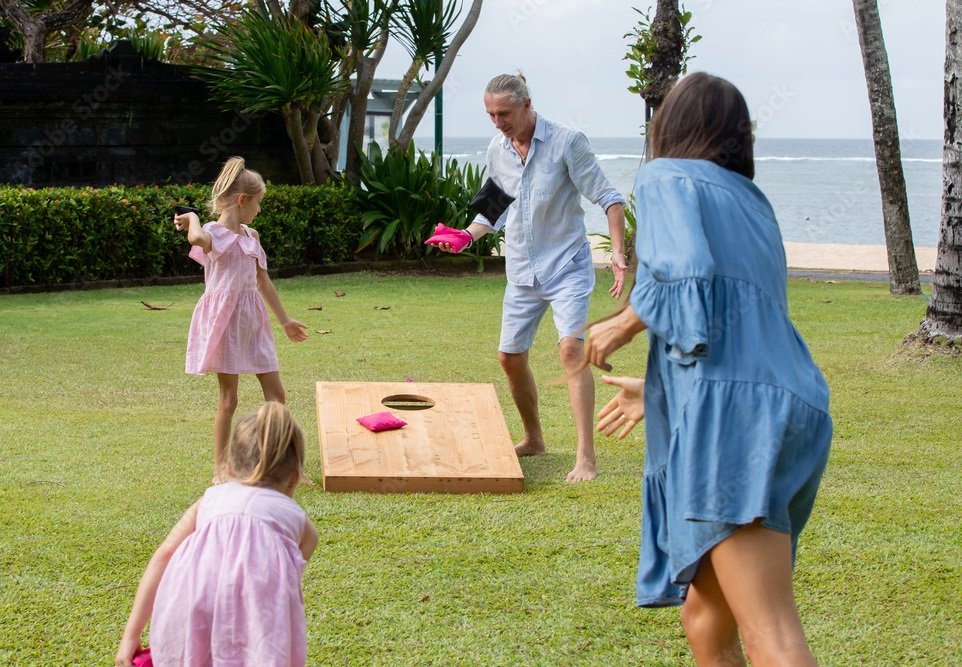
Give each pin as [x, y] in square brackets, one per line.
[380, 421]
[458, 238]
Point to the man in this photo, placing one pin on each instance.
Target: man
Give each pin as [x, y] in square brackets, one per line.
[547, 168]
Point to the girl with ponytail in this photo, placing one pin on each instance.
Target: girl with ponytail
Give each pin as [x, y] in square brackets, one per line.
[225, 586]
[230, 331]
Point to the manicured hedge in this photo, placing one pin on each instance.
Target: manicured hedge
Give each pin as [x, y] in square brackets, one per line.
[56, 236]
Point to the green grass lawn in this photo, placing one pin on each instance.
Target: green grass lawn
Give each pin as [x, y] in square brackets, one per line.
[104, 441]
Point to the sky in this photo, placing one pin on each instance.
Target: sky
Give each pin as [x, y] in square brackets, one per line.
[797, 62]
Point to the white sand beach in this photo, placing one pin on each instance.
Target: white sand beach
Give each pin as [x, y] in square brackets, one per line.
[831, 256]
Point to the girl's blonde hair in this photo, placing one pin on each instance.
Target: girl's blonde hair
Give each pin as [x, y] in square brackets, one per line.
[267, 447]
[234, 179]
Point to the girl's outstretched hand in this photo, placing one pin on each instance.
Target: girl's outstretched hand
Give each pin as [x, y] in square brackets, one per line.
[296, 331]
[126, 651]
[182, 222]
[626, 409]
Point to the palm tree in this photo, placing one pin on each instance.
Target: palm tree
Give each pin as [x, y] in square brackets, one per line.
[903, 267]
[423, 28]
[943, 317]
[275, 63]
[433, 87]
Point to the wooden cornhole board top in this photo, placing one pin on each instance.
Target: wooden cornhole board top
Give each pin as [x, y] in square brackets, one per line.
[461, 445]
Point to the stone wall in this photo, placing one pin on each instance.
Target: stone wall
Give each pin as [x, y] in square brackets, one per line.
[117, 118]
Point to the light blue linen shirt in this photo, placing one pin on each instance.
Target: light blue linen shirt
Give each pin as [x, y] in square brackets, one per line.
[545, 226]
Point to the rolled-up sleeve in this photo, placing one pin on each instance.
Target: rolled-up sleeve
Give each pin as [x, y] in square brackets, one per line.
[672, 292]
[586, 174]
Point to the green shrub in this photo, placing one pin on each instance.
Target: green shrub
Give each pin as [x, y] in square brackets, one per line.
[407, 193]
[54, 236]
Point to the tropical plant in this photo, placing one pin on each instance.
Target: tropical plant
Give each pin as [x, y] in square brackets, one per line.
[277, 64]
[406, 193]
[423, 27]
[658, 52]
[36, 20]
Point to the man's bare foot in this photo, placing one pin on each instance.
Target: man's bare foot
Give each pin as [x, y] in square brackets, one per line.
[528, 448]
[584, 471]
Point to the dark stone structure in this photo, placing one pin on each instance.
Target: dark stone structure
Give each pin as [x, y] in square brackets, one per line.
[120, 119]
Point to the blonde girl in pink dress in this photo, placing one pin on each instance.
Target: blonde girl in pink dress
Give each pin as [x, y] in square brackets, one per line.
[225, 586]
[230, 331]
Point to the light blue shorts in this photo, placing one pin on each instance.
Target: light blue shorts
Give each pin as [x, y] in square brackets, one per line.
[568, 293]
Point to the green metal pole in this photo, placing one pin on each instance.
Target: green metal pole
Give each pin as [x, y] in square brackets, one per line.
[438, 113]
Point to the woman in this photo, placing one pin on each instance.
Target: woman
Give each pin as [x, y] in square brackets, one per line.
[737, 428]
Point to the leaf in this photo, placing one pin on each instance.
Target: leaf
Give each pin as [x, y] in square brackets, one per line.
[382, 308]
[323, 331]
[338, 292]
[317, 307]
[151, 306]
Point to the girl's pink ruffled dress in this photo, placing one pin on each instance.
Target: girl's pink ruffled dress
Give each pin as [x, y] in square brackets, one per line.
[231, 594]
[230, 331]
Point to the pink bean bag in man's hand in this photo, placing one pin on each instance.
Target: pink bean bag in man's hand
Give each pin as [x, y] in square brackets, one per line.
[458, 238]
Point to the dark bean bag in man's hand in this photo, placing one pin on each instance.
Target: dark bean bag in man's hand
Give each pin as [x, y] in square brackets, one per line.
[491, 201]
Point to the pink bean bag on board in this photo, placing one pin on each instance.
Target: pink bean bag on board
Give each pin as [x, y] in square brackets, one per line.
[381, 421]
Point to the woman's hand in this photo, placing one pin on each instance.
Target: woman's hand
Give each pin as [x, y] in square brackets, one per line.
[607, 336]
[296, 331]
[626, 409]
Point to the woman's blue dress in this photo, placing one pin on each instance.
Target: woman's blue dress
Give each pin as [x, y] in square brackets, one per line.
[736, 411]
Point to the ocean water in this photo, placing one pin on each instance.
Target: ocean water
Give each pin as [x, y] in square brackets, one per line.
[822, 190]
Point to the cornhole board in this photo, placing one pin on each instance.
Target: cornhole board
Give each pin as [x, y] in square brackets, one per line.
[458, 442]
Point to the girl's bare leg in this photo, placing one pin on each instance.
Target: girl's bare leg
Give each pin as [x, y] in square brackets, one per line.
[226, 407]
[274, 391]
[753, 568]
[709, 623]
[272, 387]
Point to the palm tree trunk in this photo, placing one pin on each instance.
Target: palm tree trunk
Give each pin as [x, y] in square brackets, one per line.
[401, 98]
[943, 317]
[428, 92]
[294, 122]
[366, 67]
[903, 267]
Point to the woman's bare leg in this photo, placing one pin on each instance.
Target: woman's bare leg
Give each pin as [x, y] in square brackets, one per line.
[709, 623]
[754, 571]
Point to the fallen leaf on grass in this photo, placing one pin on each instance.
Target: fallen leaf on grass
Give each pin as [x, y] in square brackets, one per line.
[382, 308]
[324, 331]
[338, 292]
[317, 307]
[151, 306]
[425, 598]
[831, 282]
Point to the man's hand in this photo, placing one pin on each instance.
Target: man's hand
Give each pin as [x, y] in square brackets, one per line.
[619, 269]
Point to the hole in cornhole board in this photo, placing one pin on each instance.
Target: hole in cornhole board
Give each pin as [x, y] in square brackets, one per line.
[407, 402]
[456, 439]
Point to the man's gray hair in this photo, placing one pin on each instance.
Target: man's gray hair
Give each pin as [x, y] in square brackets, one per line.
[514, 85]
